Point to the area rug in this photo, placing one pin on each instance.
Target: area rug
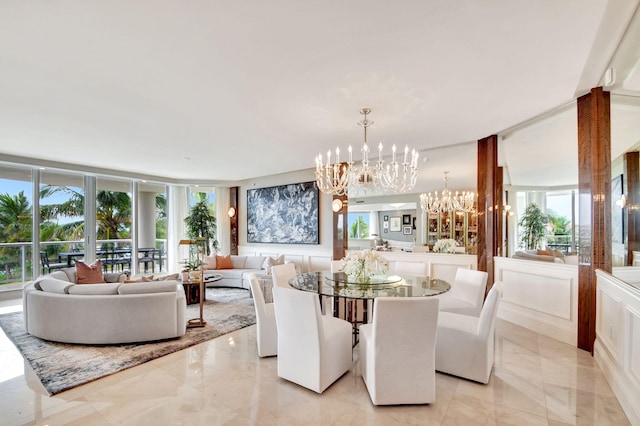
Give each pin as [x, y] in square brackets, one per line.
[61, 366]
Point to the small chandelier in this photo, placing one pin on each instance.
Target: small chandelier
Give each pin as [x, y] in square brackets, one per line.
[447, 202]
[341, 178]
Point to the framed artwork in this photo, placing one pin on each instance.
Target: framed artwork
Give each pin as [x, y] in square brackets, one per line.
[406, 219]
[386, 230]
[385, 225]
[407, 230]
[285, 214]
[386, 218]
[394, 224]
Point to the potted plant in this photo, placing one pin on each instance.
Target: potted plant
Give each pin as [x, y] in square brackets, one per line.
[533, 227]
[201, 224]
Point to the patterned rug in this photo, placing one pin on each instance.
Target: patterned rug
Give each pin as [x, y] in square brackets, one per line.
[61, 366]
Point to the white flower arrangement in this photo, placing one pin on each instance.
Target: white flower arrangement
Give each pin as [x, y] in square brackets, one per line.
[363, 264]
[445, 245]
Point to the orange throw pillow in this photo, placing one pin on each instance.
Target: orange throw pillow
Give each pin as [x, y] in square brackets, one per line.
[224, 262]
[89, 274]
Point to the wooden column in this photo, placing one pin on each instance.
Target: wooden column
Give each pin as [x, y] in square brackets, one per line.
[340, 231]
[594, 195]
[499, 206]
[488, 197]
[233, 220]
[632, 209]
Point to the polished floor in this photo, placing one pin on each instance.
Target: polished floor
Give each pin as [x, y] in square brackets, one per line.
[536, 381]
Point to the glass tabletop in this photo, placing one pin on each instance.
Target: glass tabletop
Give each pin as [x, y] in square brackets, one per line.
[339, 284]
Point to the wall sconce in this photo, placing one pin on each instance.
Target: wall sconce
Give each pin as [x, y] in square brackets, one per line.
[622, 202]
[336, 205]
[232, 211]
[506, 210]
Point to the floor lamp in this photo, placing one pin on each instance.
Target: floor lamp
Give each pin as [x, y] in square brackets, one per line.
[200, 243]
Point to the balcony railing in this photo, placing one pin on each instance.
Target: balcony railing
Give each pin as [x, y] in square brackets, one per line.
[17, 260]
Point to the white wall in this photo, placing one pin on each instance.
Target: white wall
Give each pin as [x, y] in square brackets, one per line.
[617, 346]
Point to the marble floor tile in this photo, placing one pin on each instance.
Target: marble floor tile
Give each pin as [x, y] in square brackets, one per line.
[535, 381]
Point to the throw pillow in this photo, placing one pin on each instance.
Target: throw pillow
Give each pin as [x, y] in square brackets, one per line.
[52, 285]
[210, 262]
[224, 262]
[272, 261]
[89, 274]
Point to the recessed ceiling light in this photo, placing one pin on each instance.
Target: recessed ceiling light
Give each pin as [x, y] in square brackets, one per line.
[186, 158]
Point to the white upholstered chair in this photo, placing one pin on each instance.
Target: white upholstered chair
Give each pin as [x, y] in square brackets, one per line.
[397, 350]
[466, 294]
[282, 274]
[266, 330]
[411, 268]
[421, 249]
[314, 350]
[465, 344]
[336, 265]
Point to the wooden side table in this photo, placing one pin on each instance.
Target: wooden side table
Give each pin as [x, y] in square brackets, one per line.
[191, 291]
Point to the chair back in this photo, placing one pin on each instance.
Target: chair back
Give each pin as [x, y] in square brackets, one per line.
[405, 325]
[44, 259]
[412, 268]
[282, 274]
[487, 320]
[401, 360]
[336, 265]
[469, 286]
[258, 297]
[299, 331]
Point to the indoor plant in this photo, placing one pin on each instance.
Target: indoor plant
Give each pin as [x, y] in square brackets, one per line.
[201, 223]
[533, 227]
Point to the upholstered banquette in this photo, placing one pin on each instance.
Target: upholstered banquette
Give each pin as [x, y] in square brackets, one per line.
[56, 308]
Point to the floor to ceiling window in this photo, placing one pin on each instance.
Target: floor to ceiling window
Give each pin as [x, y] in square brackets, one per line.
[16, 209]
[62, 221]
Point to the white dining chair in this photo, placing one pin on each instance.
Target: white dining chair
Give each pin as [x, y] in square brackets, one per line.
[397, 350]
[266, 330]
[411, 268]
[465, 344]
[314, 350]
[466, 294]
[282, 274]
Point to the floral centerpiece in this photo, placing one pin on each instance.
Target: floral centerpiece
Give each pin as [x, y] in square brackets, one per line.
[361, 265]
[445, 245]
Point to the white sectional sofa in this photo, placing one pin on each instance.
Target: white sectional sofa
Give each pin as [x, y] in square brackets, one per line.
[57, 309]
[239, 276]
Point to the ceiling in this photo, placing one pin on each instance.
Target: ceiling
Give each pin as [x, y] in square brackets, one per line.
[208, 91]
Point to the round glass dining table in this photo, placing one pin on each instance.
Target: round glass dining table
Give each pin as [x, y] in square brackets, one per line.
[339, 284]
[355, 296]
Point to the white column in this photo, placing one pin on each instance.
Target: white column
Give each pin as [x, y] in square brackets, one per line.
[223, 223]
[374, 226]
[178, 209]
[147, 219]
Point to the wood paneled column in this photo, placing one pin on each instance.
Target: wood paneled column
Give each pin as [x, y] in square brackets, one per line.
[488, 198]
[594, 189]
[233, 220]
[340, 231]
[632, 208]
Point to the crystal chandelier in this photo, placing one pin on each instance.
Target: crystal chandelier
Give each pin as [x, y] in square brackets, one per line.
[379, 176]
[447, 202]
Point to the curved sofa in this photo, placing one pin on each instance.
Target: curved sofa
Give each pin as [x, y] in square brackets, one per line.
[56, 309]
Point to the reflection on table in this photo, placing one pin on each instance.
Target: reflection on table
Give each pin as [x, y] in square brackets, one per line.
[341, 288]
